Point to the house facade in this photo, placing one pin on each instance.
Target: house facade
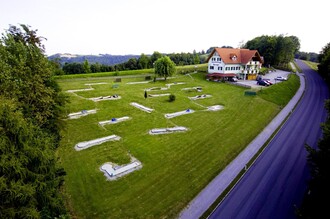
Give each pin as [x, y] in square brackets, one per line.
[224, 63]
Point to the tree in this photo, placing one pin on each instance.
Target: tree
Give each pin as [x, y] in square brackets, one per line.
[30, 178]
[324, 60]
[131, 64]
[73, 68]
[96, 67]
[276, 50]
[154, 57]
[27, 77]
[164, 67]
[314, 204]
[57, 66]
[171, 98]
[86, 67]
[196, 59]
[143, 61]
[31, 108]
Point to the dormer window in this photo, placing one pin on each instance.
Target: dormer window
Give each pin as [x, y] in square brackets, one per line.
[233, 57]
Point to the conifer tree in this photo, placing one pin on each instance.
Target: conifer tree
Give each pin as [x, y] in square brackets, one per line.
[31, 106]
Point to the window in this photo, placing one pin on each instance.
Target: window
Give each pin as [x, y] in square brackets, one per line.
[219, 59]
[238, 68]
[232, 68]
[211, 67]
[220, 68]
[227, 68]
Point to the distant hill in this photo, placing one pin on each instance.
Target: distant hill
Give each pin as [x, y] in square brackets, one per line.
[105, 59]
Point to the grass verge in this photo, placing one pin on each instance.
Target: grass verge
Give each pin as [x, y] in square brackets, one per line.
[312, 65]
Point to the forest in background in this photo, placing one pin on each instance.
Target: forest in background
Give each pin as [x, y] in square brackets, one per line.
[277, 50]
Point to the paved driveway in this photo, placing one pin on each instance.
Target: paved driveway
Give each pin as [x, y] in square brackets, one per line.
[271, 76]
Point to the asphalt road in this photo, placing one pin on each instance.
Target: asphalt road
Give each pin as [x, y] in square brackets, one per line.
[275, 184]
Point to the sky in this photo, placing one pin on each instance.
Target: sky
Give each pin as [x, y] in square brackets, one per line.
[120, 27]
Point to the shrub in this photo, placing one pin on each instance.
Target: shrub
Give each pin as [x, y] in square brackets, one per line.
[171, 98]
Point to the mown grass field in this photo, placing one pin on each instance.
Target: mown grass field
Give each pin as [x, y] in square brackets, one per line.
[176, 167]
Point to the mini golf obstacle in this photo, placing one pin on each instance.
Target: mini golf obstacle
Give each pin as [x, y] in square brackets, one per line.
[139, 82]
[114, 120]
[158, 95]
[112, 97]
[86, 144]
[215, 108]
[158, 131]
[180, 113]
[81, 113]
[113, 172]
[99, 83]
[198, 89]
[200, 97]
[175, 83]
[156, 88]
[79, 90]
[141, 107]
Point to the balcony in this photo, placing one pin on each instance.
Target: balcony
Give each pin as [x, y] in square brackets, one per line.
[250, 71]
[253, 63]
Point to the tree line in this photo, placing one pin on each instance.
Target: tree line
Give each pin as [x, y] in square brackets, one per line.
[277, 51]
[31, 107]
[142, 62]
[105, 59]
[307, 56]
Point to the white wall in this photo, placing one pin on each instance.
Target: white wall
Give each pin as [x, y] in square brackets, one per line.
[216, 63]
[235, 70]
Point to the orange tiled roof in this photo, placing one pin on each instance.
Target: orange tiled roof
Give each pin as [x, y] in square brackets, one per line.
[243, 56]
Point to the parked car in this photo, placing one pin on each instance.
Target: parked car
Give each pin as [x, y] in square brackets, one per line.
[258, 78]
[234, 79]
[280, 78]
[263, 83]
[268, 81]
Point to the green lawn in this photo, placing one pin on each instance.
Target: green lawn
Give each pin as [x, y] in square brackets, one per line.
[175, 166]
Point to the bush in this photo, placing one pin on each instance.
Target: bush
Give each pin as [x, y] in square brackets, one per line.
[171, 98]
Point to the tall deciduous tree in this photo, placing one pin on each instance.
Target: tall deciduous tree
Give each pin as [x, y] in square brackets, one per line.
[143, 61]
[153, 58]
[164, 67]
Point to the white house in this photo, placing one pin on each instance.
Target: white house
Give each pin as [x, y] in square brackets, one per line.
[224, 63]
